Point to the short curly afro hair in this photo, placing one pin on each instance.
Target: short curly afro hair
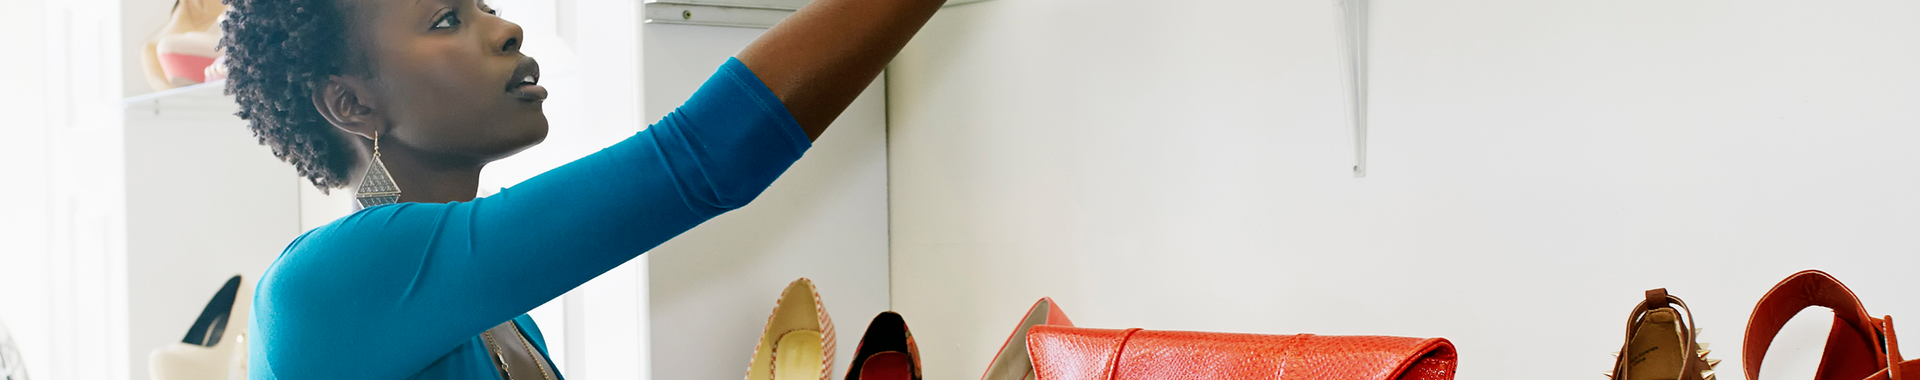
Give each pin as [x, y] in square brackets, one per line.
[278, 52]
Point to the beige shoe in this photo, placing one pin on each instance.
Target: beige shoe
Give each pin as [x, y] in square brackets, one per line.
[216, 344]
[1014, 362]
[1661, 345]
[798, 343]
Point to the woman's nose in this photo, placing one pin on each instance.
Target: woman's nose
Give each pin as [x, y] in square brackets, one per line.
[510, 38]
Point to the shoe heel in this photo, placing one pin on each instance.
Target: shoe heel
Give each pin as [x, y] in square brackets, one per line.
[1014, 362]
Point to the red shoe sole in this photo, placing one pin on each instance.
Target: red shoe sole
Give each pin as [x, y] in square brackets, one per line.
[890, 365]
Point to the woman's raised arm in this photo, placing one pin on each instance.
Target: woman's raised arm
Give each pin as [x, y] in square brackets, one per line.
[822, 57]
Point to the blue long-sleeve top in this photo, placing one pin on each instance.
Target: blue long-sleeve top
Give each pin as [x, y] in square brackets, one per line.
[404, 290]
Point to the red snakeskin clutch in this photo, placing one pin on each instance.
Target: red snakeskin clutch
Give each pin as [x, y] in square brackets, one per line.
[1069, 353]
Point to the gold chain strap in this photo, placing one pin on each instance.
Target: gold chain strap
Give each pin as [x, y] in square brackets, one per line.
[498, 360]
[536, 360]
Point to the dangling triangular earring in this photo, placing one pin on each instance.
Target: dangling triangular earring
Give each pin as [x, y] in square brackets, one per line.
[377, 188]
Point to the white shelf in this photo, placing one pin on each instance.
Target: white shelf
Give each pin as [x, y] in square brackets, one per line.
[739, 13]
[685, 13]
[200, 100]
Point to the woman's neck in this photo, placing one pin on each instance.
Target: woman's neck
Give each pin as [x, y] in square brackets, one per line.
[427, 181]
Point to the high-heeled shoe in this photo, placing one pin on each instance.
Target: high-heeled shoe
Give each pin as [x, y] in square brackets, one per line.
[1014, 362]
[216, 344]
[798, 343]
[886, 352]
[1661, 345]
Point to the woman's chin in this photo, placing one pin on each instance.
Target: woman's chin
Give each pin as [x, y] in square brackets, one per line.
[522, 139]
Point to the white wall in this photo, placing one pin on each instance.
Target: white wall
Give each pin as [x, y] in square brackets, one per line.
[62, 262]
[25, 236]
[204, 202]
[589, 57]
[1535, 166]
[710, 290]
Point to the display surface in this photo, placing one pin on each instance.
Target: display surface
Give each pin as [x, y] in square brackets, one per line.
[732, 13]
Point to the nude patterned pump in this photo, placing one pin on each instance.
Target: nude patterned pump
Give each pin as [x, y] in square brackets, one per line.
[1661, 344]
[1014, 362]
[798, 342]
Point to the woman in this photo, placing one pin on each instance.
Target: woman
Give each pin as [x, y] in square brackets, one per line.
[436, 89]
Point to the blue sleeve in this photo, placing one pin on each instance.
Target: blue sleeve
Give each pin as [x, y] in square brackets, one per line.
[391, 288]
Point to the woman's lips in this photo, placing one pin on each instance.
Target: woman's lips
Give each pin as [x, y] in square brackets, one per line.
[525, 83]
[529, 92]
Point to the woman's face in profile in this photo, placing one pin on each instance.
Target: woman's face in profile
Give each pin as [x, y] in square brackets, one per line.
[449, 77]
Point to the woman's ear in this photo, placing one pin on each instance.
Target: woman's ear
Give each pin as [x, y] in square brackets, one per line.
[347, 103]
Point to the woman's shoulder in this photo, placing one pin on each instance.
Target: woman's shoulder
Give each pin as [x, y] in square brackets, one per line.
[369, 225]
[359, 248]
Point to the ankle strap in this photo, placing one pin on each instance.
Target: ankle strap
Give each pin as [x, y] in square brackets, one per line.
[1854, 347]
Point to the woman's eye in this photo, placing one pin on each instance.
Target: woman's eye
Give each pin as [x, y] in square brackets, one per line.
[448, 21]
